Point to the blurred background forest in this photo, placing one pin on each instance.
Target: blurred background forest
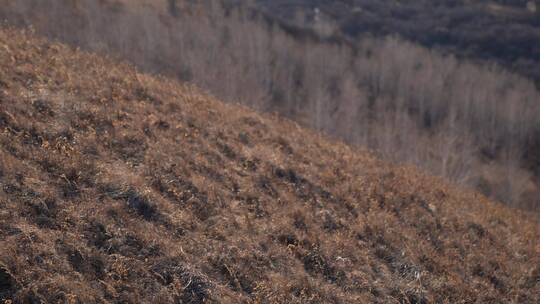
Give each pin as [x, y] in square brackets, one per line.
[503, 31]
[446, 85]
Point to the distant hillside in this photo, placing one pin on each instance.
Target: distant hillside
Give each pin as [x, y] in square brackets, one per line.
[119, 187]
[506, 32]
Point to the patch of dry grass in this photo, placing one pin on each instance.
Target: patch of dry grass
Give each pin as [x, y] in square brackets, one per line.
[118, 187]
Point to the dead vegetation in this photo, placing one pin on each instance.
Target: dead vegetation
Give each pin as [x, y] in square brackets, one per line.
[476, 125]
[118, 187]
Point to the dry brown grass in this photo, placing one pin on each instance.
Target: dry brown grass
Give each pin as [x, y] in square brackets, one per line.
[118, 187]
[474, 125]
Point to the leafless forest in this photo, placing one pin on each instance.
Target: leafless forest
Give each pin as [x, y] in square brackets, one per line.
[502, 31]
[475, 125]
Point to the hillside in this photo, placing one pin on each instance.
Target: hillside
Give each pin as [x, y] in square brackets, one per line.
[119, 187]
[475, 125]
[506, 32]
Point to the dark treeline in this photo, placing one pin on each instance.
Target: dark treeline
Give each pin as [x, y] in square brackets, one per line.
[478, 126]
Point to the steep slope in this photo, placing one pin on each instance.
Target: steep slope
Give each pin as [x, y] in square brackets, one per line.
[118, 187]
[474, 125]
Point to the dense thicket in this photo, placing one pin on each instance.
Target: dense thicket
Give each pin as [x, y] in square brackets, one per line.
[474, 125]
